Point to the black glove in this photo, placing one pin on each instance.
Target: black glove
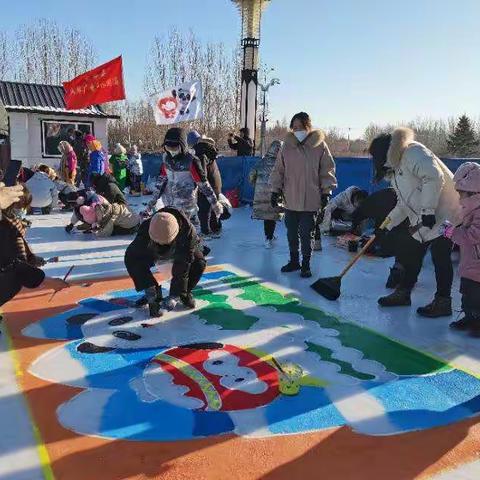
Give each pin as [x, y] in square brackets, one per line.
[429, 221]
[69, 228]
[275, 199]
[325, 199]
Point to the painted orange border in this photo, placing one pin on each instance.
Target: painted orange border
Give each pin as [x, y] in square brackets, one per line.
[334, 454]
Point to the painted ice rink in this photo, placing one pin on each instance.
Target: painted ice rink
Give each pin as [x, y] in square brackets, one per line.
[242, 247]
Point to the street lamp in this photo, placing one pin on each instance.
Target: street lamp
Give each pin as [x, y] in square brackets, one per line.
[264, 120]
[251, 13]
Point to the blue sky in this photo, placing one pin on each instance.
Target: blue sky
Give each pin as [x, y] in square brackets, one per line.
[347, 62]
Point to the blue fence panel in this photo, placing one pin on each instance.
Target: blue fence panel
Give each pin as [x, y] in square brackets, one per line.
[235, 172]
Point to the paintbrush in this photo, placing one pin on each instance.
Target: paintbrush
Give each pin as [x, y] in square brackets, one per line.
[64, 279]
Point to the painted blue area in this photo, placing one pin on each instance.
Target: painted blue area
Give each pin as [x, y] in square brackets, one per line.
[303, 412]
[111, 369]
[100, 305]
[217, 275]
[57, 326]
[410, 403]
[424, 402]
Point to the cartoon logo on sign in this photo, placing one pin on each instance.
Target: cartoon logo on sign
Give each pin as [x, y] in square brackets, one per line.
[248, 361]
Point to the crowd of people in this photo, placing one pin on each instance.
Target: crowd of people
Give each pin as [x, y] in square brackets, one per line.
[426, 208]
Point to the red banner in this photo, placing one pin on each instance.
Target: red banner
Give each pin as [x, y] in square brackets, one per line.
[100, 85]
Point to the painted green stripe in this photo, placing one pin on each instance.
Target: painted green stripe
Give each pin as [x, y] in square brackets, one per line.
[396, 357]
[326, 355]
[220, 313]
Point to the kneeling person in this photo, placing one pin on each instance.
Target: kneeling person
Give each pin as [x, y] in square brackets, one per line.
[168, 235]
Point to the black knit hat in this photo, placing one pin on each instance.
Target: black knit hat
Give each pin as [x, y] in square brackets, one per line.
[378, 150]
[176, 136]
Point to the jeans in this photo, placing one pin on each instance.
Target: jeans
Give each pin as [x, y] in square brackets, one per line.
[269, 228]
[411, 254]
[300, 230]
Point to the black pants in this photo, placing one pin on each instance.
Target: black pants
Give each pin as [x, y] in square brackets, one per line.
[139, 260]
[9, 287]
[135, 182]
[208, 220]
[300, 230]
[269, 228]
[411, 254]
[470, 291]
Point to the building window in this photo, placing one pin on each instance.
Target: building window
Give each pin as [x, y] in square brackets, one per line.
[54, 131]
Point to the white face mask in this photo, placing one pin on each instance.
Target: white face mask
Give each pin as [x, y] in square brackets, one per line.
[301, 135]
[173, 151]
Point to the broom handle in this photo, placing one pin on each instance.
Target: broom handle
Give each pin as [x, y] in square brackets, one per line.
[360, 254]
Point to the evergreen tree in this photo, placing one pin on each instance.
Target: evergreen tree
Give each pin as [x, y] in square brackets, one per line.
[462, 140]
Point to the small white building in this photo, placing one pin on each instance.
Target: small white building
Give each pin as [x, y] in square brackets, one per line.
[39, 121]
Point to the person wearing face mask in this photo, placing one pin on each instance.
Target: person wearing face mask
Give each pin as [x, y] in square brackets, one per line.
[304, 177]
[242, 144]
[426, 196]
[181, 174]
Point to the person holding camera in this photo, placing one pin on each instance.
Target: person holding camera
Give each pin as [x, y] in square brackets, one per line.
[242, 144]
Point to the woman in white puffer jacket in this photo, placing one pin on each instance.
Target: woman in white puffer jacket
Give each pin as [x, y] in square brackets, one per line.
[43, 189]
[426, 195]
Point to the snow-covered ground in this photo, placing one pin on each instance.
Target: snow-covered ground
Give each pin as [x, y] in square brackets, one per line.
[242, 246]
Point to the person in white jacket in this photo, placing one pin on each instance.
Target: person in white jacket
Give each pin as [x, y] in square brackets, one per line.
[426, 196]
[43, 189]
[342, 206]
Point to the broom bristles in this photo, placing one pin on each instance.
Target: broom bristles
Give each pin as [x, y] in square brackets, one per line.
[328, 288]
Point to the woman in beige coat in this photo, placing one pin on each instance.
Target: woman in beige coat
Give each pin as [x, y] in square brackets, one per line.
[304, 177]
[426, 196]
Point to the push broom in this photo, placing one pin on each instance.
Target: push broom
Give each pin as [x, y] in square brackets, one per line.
[330, 287]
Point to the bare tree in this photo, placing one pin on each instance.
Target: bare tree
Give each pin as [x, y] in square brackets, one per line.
[5, 56]
[45, 53]
[183, 57]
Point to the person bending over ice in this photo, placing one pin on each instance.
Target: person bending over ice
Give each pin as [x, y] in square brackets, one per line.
[168, 235]
[342, 206]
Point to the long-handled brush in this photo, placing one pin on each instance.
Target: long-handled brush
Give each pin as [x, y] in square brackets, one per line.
[330, 287]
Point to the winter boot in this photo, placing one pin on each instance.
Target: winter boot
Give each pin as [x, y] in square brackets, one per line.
[399, 298]
[474, 326]
[188, 300]
[142, 301]
[46, 210]
[439, 307]
[306, 272]
[395, 277]
[154, 302]
[463, 323]
[293, 265]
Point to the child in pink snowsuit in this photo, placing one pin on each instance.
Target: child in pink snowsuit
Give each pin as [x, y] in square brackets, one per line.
[467, 237]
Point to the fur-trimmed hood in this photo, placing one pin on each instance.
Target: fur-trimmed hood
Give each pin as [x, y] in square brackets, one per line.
[402, 137]
[314, 139]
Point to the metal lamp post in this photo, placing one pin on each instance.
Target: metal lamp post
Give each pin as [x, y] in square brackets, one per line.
[264, 120]
[251, 13]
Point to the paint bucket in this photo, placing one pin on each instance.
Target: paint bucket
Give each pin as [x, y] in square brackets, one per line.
[290, 379]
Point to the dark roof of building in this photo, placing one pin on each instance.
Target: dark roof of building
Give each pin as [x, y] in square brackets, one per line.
[38, 98]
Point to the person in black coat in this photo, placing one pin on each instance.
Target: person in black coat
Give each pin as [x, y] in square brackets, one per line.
[243, 144]
[168, 235]
[207, 152]
[106, 186]
[376, 207]
[19, 266]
